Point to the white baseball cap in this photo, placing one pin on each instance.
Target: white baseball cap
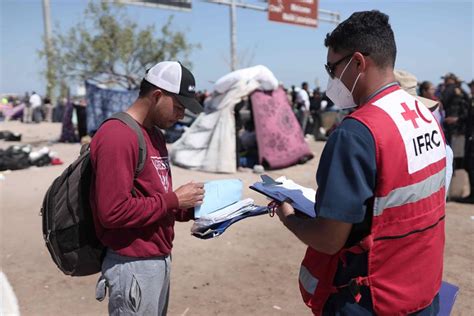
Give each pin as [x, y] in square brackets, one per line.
[176, 79]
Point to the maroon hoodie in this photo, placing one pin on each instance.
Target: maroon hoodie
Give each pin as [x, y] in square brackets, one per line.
[139, 225]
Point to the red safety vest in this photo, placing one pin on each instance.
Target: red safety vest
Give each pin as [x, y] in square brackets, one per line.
[406, 241]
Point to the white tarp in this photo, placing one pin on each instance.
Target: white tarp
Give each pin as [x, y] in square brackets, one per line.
[209, 144]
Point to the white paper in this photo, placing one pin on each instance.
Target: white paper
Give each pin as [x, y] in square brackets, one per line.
[229, 212]
[302, 198]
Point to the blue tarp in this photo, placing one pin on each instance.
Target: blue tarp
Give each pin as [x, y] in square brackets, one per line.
[102, 103]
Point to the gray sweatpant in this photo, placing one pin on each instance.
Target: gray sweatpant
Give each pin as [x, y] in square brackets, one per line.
[136, 286]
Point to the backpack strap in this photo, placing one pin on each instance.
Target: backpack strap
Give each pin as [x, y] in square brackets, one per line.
[127, 119]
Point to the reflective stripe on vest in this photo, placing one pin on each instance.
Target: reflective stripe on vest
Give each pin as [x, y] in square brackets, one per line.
[307, 280]
[411, 193]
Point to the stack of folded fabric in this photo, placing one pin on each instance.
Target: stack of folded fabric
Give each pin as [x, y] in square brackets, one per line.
[215, 224]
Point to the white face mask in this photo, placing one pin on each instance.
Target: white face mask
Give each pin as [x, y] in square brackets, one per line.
[338, 92]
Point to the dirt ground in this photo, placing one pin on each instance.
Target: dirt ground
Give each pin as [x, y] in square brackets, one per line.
[250, 270]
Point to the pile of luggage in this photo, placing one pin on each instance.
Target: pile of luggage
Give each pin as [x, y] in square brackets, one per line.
[18, 157]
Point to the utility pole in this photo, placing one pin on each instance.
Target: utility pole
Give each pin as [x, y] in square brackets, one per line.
[47, 39]
[333, 17]
[233, 36]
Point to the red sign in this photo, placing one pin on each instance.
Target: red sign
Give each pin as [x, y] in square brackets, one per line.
[300, 12]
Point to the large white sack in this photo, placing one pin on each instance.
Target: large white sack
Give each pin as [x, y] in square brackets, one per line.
[260, 73]
[209, 144]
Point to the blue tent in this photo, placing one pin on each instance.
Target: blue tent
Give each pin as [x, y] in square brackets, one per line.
[103, 102]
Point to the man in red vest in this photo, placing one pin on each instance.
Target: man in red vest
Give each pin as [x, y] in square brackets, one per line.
[376, 245]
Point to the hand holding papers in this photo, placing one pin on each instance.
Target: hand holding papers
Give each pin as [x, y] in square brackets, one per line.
[281, 189]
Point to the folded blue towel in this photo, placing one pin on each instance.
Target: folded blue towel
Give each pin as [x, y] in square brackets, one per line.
[219, 194]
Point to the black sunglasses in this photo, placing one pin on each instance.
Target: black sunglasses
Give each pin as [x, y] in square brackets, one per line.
[331, 67]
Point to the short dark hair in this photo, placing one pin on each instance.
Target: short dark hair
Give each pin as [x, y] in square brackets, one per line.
[424, 86]
[145, 88]
[367, 32]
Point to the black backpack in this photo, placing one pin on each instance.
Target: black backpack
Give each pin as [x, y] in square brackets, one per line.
[68, 226]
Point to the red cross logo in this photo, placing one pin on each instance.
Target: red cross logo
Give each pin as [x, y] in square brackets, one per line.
[410, 115]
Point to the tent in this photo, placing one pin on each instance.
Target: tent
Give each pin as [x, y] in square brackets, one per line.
[210, 143]
[103, 102]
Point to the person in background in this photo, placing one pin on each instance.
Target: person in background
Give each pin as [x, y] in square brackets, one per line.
[454, 101]
[48, 109]
[68, 131]
[27, 111]
[239, 124]
[248, 141]
[316, 109]
[35, 102]
[469, 148]
[303, 106]
[58, 110]
[427, 90]
[81, 112]
[293, 96]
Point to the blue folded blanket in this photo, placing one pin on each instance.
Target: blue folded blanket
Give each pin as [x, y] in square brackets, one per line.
[219, 194]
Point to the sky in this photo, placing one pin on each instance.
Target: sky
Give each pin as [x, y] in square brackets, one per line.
[433, 38]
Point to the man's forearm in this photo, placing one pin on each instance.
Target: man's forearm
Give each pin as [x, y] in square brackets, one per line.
[318, 233]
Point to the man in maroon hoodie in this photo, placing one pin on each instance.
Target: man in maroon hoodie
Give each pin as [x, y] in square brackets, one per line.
[137, 228]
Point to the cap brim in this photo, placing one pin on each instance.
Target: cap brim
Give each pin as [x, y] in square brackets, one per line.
[189, 103]
[430, 104]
